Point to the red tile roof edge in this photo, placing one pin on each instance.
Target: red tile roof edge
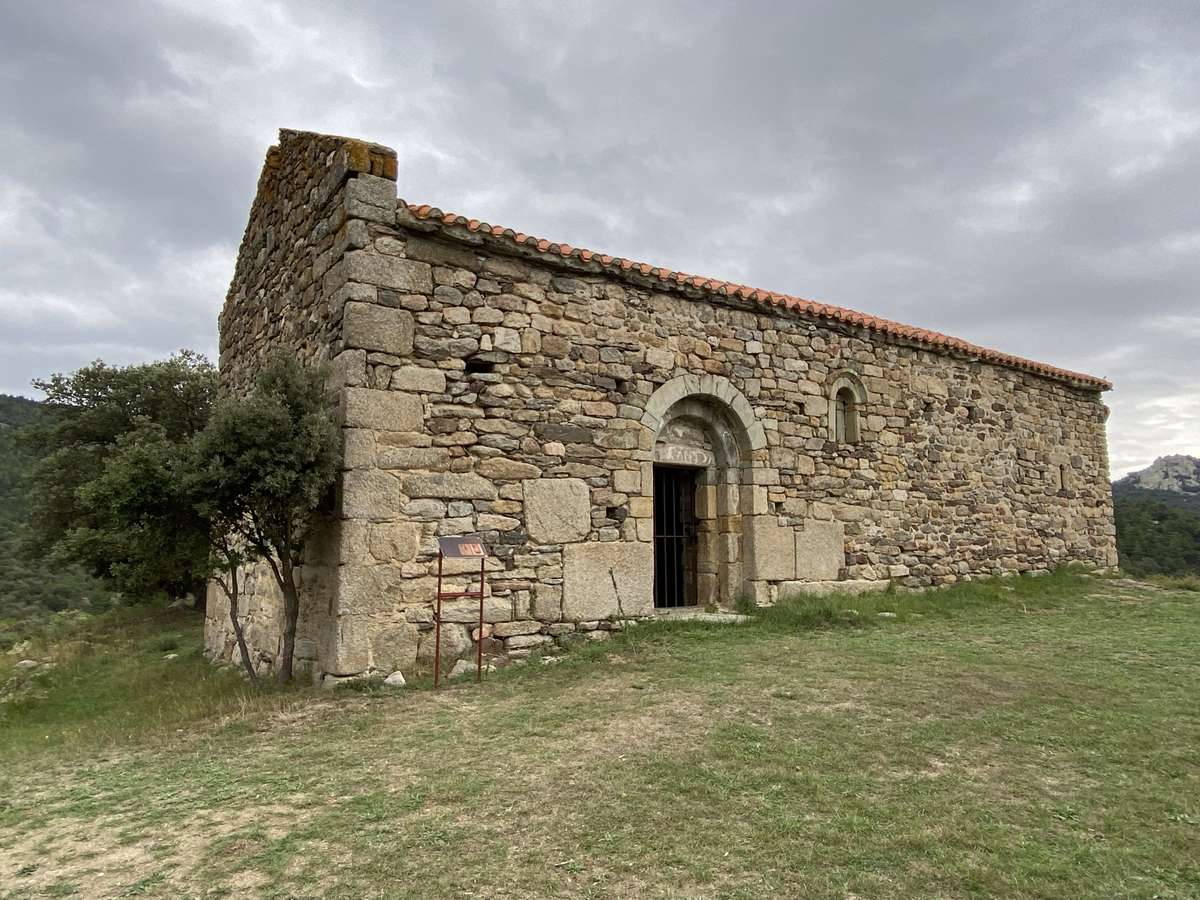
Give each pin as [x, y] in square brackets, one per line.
[923, 337]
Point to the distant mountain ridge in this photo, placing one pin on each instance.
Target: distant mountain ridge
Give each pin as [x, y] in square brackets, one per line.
[1173, 480]
[1167, 473]
[1158, 517]
[17, 411]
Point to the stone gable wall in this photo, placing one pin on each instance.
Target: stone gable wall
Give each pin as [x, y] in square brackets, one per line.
[317, 198]
[487, 388]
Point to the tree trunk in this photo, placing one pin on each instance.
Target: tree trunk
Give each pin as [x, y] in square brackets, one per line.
[232, 592]
[291, 614]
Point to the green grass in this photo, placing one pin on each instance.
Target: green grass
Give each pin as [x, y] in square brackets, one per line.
[1176, 582]
[1018, 737]
[110, 684]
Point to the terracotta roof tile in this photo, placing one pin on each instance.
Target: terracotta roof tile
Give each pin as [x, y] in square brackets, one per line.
[772, 298]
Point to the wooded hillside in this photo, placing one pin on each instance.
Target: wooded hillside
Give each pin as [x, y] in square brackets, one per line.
[1158, 528]
[30, 587]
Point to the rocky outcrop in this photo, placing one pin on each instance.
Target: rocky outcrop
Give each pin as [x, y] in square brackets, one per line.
[1180, 474]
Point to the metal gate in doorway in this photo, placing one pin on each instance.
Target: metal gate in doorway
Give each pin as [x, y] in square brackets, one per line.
[674, 537]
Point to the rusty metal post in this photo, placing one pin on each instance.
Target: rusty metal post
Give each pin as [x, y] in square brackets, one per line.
[479, 649]
[437, 630]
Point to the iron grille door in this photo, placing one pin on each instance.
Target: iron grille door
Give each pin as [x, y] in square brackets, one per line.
[674, 537]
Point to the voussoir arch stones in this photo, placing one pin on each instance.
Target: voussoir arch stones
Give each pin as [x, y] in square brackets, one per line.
[716, 389]
[844, 378]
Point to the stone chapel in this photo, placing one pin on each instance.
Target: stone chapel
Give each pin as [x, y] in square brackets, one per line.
[628, 441]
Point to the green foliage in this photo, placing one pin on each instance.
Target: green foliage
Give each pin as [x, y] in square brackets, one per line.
[144, 529]
[130, 478]
[105, 483]
[16, 412]
[1157, 536]
[258, 473]
[30, 588]
[266, 462]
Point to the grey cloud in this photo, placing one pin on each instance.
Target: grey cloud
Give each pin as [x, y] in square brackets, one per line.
[1017, 174]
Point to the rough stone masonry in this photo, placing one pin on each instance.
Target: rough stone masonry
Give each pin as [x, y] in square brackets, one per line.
[628, 440]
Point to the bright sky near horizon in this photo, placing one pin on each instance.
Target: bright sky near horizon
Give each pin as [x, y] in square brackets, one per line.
[1022, 175]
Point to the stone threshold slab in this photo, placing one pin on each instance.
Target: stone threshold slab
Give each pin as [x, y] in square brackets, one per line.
[696, 614]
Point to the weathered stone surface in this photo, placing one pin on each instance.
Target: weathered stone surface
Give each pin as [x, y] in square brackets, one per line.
[488, 522]
[601, 580]
[500, 468]
[820, 550]
[511, 629]
[456, 642]
[440, 254]
[431, 459]
[395, 680]
[392, 272]
[450, 486]
[495, 609]
[358, 448]
[547, 602]
[394, 647]
[424, 510]
[557, 510]
[370, 494]
[507, 339]
[826, 588]
[349, 650]
[419, 378]
[368, 589]
[374, 328]
[527, 640]
[395, 541]
[769, 549]
[381, 410]
[627, 482]
[348, 368]
[660, 359]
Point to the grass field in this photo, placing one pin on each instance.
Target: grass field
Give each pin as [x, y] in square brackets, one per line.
[1028, 737]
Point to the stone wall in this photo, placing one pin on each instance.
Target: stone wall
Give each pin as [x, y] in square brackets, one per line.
[525, 392]
[317, 198]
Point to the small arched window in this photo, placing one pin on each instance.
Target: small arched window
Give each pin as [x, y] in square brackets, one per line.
[846, 400]
[845, 417]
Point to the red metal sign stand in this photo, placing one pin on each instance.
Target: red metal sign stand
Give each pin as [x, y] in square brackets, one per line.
[473, 547]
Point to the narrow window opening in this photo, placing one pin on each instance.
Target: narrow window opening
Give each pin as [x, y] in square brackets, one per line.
[476, 366]
[845, 417]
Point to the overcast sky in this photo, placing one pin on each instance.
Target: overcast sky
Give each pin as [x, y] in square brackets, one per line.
[1021, 175]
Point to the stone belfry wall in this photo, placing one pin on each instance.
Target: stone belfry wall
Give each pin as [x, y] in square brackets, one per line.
[519, 390]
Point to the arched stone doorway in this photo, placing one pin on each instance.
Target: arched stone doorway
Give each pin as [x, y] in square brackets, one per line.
[704, 444]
